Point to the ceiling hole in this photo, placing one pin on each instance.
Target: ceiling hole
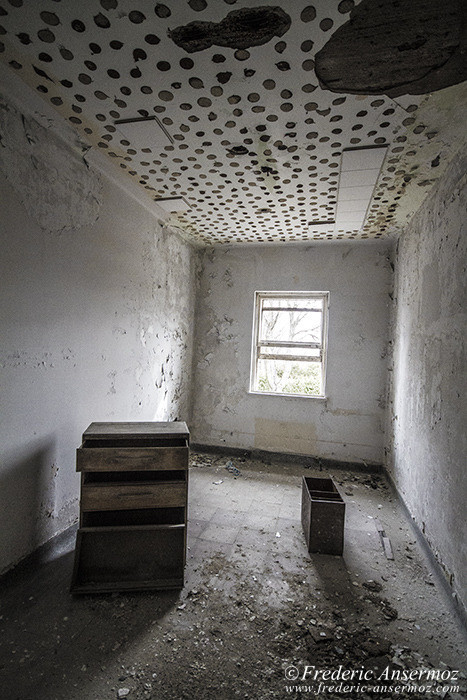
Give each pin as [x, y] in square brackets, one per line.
[101, 21]
[165, 95]
[186, 63]
[326, 24]
[196, 83]
[140, 55]
[152, 39]
[46, 35]
[346, 6]
[306, 45]
[162, 11]
[136, 17]
[50, 18]
[198, 5]
[308, 14]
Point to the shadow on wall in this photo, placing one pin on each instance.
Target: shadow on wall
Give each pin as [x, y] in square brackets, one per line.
[27, 497]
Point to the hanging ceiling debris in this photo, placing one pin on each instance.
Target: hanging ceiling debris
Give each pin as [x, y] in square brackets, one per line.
[241, 29]
[250, 130]
[413, 47]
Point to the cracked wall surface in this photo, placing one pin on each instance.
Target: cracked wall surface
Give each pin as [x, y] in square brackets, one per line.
[96, 324]
[56, 187]
[348, 425]
[427, 410]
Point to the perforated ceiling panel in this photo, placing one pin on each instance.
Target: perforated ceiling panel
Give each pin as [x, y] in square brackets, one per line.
[253, 143]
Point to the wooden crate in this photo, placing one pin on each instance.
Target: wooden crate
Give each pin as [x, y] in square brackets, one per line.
[133, 509]
[323, 516]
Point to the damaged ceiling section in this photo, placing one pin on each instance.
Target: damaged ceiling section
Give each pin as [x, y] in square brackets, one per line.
[412, 46]
[245, 114]
[241, 29]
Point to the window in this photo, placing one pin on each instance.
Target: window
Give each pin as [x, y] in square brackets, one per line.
[289, 343]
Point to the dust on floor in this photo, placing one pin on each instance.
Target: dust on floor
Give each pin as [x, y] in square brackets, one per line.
[258, 617]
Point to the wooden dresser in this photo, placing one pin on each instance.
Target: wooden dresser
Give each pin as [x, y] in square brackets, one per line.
[133, 510]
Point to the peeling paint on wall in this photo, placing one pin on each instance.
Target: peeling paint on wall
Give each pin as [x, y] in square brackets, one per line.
[57, 189]
[348, 424]
[96, 325]
[426, 442]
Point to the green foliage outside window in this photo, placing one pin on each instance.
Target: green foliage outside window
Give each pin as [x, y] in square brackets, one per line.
[303, 378]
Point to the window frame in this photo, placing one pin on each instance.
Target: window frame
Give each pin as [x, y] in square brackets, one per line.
[257, 344]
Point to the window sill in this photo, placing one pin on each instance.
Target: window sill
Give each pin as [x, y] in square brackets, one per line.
[287, 396]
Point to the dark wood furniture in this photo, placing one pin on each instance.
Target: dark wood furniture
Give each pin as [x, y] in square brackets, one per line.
[323, 516]
[133, 510]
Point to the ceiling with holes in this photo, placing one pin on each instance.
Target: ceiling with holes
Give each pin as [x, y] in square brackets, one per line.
[247, 109]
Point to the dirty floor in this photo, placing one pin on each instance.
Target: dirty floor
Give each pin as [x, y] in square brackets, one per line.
[258, 617]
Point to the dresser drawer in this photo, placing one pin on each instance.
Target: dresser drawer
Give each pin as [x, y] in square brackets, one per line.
[129, 558]
[125, 496]
[128, 458]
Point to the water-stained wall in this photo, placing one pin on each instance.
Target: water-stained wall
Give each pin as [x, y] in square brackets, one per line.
[96, 323]
[427, 411]
[348, 424]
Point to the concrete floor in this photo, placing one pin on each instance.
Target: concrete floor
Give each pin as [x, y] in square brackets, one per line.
[256, 608]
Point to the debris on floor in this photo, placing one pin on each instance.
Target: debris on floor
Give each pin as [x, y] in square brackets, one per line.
[256, 610]
[230, 466]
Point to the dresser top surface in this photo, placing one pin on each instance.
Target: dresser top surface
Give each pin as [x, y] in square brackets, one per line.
[99, 431]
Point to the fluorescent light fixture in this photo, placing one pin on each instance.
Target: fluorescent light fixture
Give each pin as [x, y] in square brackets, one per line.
[144, 132]
[360, 169]
[369, 158]
[172, 204]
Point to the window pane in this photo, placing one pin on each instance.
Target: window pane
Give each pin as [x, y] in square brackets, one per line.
[312, 353]
[296, 326]
[293, 303]
[289, 377]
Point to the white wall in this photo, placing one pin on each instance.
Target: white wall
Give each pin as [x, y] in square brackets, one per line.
[427, 417]
[348, 425]
[96, 324]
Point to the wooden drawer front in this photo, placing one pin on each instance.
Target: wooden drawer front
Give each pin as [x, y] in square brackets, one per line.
[126, 496]
[129, 558]
[128, 458]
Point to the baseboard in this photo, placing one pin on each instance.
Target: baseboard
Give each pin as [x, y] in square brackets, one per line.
[452, 598]
[289, 458]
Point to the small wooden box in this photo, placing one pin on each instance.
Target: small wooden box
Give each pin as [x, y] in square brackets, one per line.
[323, 516]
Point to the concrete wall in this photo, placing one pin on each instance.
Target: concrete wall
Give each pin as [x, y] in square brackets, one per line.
[96, 324]
[427, 417]
[347, 425]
